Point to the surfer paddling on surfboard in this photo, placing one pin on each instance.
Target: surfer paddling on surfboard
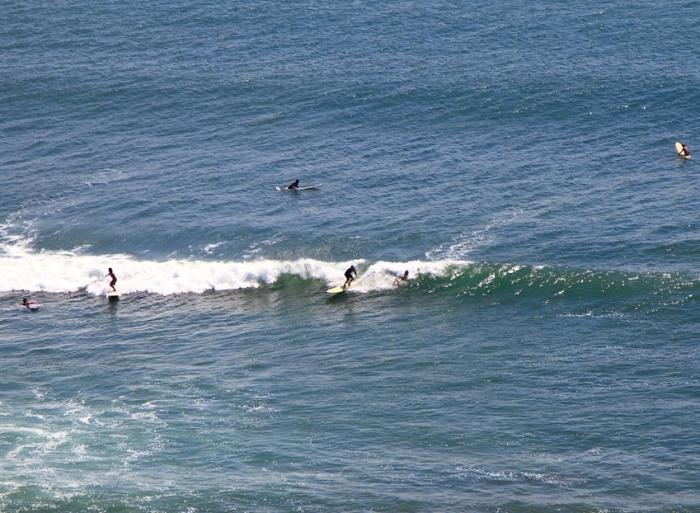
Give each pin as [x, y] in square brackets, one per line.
[296, 187]
[350, 275]
[112, 283]
[30, 304]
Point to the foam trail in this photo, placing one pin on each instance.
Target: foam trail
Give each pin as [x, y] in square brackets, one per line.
[465, 243]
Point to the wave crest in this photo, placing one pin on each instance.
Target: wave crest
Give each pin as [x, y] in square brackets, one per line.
[69, 271]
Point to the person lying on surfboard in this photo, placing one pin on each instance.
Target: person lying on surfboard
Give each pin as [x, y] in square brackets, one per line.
[401, 279]
[350, 274]
[293, 185]
[29, 303]
[112, 283]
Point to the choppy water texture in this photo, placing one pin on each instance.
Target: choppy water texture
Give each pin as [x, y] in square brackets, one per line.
[516, 157]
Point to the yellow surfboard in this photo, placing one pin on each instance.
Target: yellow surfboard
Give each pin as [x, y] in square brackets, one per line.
[336, 290]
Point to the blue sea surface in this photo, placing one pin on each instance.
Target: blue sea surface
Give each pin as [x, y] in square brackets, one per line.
[517, 158]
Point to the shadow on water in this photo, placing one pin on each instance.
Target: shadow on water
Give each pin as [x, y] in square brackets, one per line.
[112, 305]
[338, 298]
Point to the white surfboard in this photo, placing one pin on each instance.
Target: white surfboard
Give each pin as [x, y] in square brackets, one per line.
[679, 149]
[32, 307]
[305, 188]
[113, 295]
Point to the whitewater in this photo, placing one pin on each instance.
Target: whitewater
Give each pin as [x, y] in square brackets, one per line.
[517, 158]
[69, 272]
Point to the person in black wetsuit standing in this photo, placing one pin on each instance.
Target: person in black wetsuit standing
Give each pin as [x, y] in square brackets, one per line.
[350, 274]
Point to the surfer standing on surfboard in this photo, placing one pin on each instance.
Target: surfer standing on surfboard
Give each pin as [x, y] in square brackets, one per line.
[112, 283]
[350, 274]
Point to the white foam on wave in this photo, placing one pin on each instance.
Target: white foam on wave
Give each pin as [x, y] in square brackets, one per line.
[67, 271]
[513, 476]
[35, 439]
[18, 230]
[51, 454]
[381, 275]
[465, 243]
[15, 234]
[210, 248]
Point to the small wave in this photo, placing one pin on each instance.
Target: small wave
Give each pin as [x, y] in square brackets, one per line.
[209, 248]
[462, 245]
[37, 439]
[512, 476]
[18, 229]
[16, 234]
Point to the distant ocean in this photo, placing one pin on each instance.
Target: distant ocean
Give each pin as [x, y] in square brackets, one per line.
[517, 158]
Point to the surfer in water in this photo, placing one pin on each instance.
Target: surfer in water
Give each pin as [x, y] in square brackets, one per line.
[29, 303]
[685, 152]
[294, 185]
[112, 283]
[350, 274]
[401, 279]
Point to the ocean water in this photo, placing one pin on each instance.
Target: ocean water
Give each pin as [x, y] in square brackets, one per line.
[516, 157]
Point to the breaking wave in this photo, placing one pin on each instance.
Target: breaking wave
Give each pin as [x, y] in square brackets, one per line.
[56, 272]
